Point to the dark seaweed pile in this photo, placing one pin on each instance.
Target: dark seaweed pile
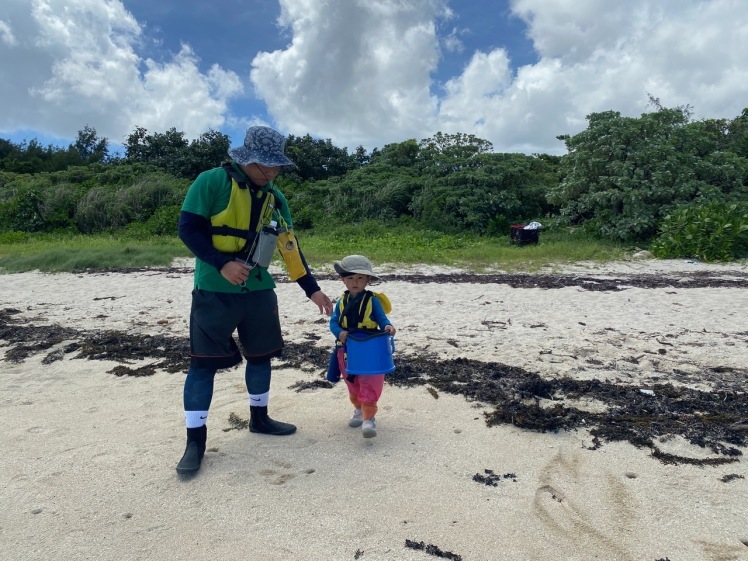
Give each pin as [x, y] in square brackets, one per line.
[698, 279]
[717, 421]
[431, 549]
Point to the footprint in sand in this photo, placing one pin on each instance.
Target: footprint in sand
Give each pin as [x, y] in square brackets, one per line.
[281, 473]
[563, 503]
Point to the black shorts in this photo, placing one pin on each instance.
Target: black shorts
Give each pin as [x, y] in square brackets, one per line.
[214, 317]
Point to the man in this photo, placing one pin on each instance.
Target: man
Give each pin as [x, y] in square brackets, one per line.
[229, 214]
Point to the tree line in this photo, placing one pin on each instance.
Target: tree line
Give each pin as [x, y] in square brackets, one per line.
[663, 180]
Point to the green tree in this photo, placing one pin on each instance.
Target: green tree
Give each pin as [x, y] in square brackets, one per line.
[174, 154]
[483, 192]
[458, 145]
[400, 154]
[166, 150]
[317, 159]
[622, 175]
[90, 147]
[207, 151]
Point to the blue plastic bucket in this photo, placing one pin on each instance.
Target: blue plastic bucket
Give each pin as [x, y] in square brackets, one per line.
[369, 353]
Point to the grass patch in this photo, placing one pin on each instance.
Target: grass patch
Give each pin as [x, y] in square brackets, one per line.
[404, 245]
[50, 254]
[401, 245]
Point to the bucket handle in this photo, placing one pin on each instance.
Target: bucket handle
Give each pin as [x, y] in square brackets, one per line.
[362, 336]
[359, 335]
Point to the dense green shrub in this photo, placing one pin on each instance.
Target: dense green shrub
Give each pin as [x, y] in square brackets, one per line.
[623, 175]
[21, 212]
[58, 205]
[485, 192]
[13, 237]
[715, 231]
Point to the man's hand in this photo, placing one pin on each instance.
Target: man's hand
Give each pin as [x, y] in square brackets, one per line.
[323, 302]
[236, 272]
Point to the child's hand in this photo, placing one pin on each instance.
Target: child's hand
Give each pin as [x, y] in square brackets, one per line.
[343, 336]
[389, 329]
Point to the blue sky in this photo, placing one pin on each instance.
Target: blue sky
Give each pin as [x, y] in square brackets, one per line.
[515, 72]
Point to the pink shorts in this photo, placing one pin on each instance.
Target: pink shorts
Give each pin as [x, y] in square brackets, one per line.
[364, 388]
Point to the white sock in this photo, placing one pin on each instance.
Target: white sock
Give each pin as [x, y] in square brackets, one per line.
[259, 399]
[195, 419]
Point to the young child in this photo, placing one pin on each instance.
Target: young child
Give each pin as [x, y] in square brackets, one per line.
[359, 309]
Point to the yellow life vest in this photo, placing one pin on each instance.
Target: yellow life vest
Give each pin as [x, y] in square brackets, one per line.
[235, 227]
[365, 320]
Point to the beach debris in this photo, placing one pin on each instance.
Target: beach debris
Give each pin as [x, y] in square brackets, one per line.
[696, 279]
[491, 478]
[731, 477]
[433, 392]
[359, 554]
[236, 422]
[54, 356]
[524, 399]
[672, 459]
[303, 385]
[432, 550]
[711, 419]
[646, 391]
[121, 370]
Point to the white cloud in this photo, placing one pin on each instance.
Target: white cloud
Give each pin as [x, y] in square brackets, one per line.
[361, 72]
[76, 63]
[452, 42]
[356, 70]
[6, 34]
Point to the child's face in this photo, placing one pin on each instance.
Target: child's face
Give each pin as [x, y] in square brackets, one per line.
[356, 283]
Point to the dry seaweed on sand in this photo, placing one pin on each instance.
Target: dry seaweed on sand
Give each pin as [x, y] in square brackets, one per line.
[711, 420]
[696, 279]
[26, 339]
[491, 478]
[432, 550]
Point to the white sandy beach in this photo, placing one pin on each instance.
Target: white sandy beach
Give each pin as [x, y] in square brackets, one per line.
[87, 470]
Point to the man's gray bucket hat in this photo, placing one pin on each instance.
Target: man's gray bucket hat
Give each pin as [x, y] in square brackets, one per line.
[262, 145]
[355, 265]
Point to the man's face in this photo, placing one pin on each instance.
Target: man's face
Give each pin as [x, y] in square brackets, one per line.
[356, 283]
[260, 175]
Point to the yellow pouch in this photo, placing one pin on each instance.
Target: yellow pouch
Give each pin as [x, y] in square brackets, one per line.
[289, 250]
[384, 301]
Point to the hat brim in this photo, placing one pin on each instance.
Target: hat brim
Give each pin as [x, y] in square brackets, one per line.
[343, 272]
[244, 156]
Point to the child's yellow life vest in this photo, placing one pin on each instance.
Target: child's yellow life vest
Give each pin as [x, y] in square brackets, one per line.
[364, 311]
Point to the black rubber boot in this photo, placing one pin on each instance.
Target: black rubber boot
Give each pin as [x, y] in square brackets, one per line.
[260, 422]
[194, 452]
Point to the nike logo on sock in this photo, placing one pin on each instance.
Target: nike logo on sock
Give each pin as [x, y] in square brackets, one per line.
[253, 399]
[203, 417]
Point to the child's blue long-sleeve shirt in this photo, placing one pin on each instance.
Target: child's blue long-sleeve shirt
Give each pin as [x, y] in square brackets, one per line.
[377, 314]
